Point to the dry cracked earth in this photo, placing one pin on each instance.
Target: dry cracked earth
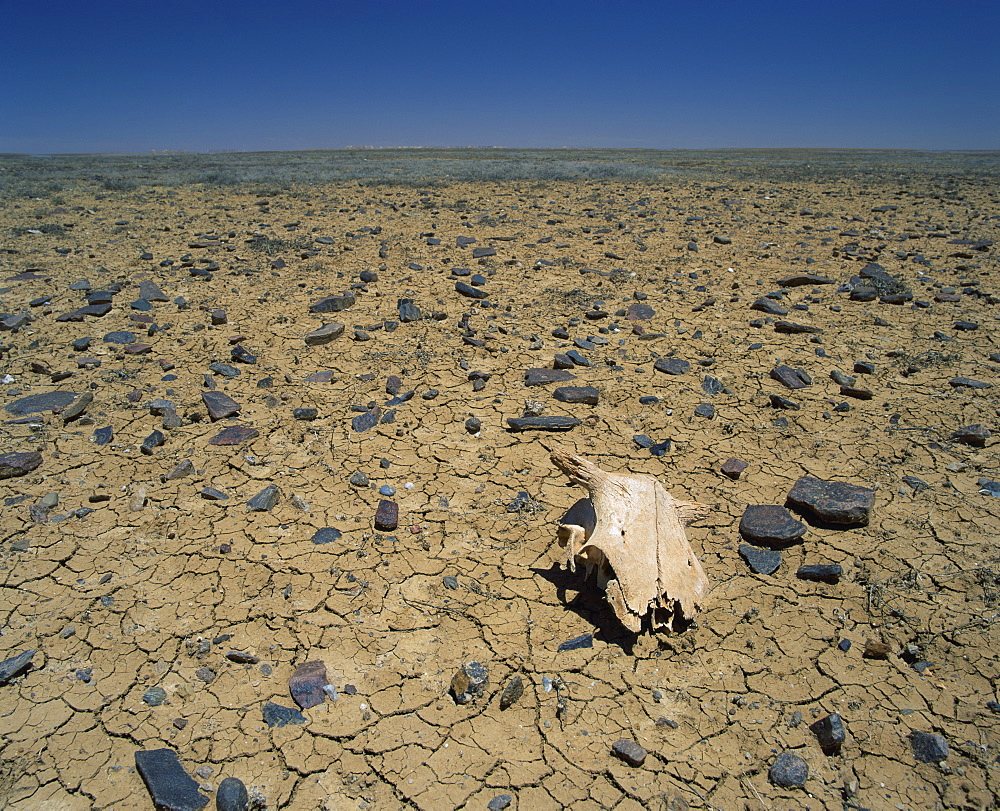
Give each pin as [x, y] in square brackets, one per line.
[168, 594]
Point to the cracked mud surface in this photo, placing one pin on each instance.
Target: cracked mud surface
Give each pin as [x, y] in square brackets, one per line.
[158, 583]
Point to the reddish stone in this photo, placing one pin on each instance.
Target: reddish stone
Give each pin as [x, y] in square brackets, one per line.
[234, 435]
[386, 516]
[306, 684]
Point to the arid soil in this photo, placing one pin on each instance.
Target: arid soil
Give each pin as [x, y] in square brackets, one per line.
[135, 577]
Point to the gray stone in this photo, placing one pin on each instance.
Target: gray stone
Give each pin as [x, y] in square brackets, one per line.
[629, 751]
[792, 378]
[369, 419]
[788, 771]
[499, 803]
[542, 423]
[770, 524]
[307, 684]
[324, 334]
[265, 500]
[469, 291]
[577, 642]
[277, 716]
[469, 682]
[968, 382]
[232, 795]
[120, 337]
[587, 395]
[408, 311]
[541, 377]
[672, 366]
[224, 369]
[77, 407]
[928, 747]
[326, 535]
[512, 692]
[974, 435]
[185, 468]
[170, 787]
[800, 279]
[36, 403]
[234, 435]
[825, 572]
[830, 733]
[151, 442]
[154, 696]
[220, 405]
[761, 561]
[834, 502]
[18, 464]
[332, 304]
[15, 665]
[769, 306]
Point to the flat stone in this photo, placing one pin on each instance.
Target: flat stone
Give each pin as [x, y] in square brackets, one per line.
[800, 279]
[220, 405]
[672, 366]
[234, 435]
[577, 358]
[120, 337]
[324, 334]
[769, 306]
[928, 747]
[369, 419]
[577, 642]
[969, 383]
[706, 410]
[326, 376]
[733, 467]
[479, 253]
[18, 464]
[240, 354]
[469, 291]
[792, 378]
[791, 327]
[629, 751]
[856, 393]
[469, 682]
[762, 561]
[326, 535]
[185, 468]
[834, 502]
[36, 403]
[500, 802]
[103, 436]
[408, 311]
[770, 524]
[974, 435]
[540, 377]
[149, 291]
[332, 304]
[77, 407]
[211, 494]
[542, 423]
[265, 500]
[224, 369]
[151, 442]
[386, 516]
[277, 716]
[842, 379]
[307, 684]
[639, 312]
[825, 572]
[242, 657]
[232, 795]
[170, 787]
[587, 395]
[306, 414]
[830, 733]
[512, 692]
[788, 771]
[15, 665]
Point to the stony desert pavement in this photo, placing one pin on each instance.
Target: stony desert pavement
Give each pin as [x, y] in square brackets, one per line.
[247, 428]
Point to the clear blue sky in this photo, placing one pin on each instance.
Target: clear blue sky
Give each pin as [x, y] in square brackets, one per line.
[250, 75]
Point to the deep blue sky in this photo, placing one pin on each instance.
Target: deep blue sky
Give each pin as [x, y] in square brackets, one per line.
[250, 75]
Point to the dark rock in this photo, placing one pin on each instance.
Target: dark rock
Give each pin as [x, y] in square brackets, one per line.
[671, 366]
[499, 803]
[770, 524]
[469, 291]
[211, 494]
[542, 423]
[857, 393]
[220, 405]
[587, 395]
[224, 369]
[800, 279]
[826, 572]
[722, 239]
[170, 787]
[15, 665]
[928, 747]
[479, 253]
[577, 642]
[36, 403]
[788, 771]
[974, 435]
[469, 682]
[386, 516]
[307, 684]
[649, 399]
[540, 377]
[564, 361]
[369, 419]
[792, 328]
[326, 535]
[206, 674]
[629, 751]
[639, 312]
[121, 337]
[830, 733]
[966, 326]
[154, 696]
[706, 410]
[150, 292]
[473, 425]
[834, 502]
[151, 442]
[512, 692]
[265, 500]
[915, 484]
[762, 561]
[232, 795]
[277, 716]
[234, 435]
[77, 407]
[82, 344]
[242, 657]
[103, 436]
[844, 645]
[450, 582]
[332, 304]
[305, 414]
[792, 378]
[408, 311]
[241, 355]
[711, 386]
[18, 464]
[733, 467]
[842, 379]
[968, 382]
[324, 334]
[359, 479]
[769, 306]
[577, 358]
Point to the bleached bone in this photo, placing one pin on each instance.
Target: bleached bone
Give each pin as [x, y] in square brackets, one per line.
[629, 533]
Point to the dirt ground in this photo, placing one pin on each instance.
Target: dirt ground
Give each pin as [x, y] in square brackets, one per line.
[135, 579]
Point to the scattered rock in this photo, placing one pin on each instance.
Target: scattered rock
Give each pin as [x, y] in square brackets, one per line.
[577, 642]
[308, 684]
[469, 682]
[277, 716]
[367, 420]
[770, 524]
[792, 378]
[512, 692]
[499, 803]
[761, 561]
[830, 733]
[974, 435]
[826, 572]
[15, 665]
[234, 435]
[834, 502]
[324, 334]
[540, 377]
[542, 423]
[18, 464]
[170, 787]
[733, 467]
[220, 405]
[232, 795]
[672, 366]
[386, 516]
[326, 535]
[928, 747]
[629, 751]
[37, 403]
[265, 500]
[332, 304]
[587, 395]
[788, 771]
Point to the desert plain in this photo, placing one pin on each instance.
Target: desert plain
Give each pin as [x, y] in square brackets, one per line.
[255, 415]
